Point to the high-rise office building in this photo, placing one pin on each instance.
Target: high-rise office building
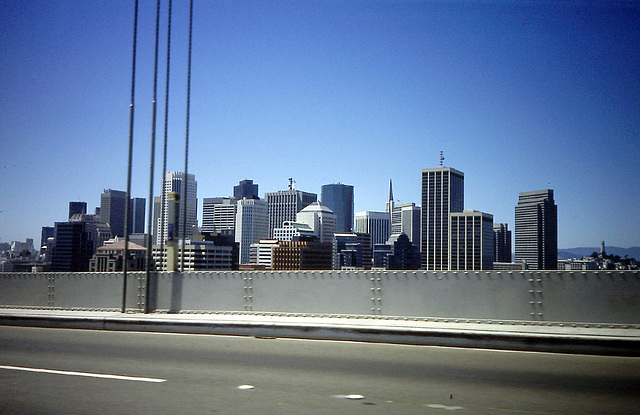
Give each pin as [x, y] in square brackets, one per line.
[470, 241]
[397, 253]
[112, 210]
[406, 255]
[252, 225]
[77, 207]
[157, 201]
[47, 232]
[376, 224]
[352, 251]
[405, 218]
[284, 205]
[537, 230]
[98, 232]
[219, 214]
[72, 248]
[247, 189]
[339, 198]
[442, 194]
[501, 242]
[136, 215]
[173, 182]
[390, 202]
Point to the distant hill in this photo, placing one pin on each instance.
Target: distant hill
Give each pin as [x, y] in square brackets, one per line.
[567, 253]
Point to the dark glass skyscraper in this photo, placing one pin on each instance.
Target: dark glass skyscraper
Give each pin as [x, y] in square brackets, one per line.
[339, 198]
[136, 215]
[112, 209]
[501, 242]
[247, 189]
[442, 194]
[537, 230]
[77, 207]
[73, 247]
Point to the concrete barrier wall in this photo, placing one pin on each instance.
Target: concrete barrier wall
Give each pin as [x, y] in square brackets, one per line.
[315, 292]
[100, 290]
[554, 296]
[20, 289]
[602, 297]
[200, 291]
[472, 295]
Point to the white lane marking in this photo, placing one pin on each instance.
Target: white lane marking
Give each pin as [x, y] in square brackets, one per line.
[85, 374]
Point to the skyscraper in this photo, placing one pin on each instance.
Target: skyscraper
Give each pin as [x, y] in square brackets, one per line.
[173, 183]
[219, 214]
[157, 201]
[77, 207]
[352, 250]
[471, 241]
[252, 225]
[284, 205]
[502, 242]
[442, 194]
[73, 247]
[136, 215]
[112, 210]
[537, 230]
[376, 224]
[247, 189]
[405, 218]
[339, 198]
[390, 203]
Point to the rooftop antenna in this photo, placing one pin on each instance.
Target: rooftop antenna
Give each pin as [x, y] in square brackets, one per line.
[291, 183]
[441, 158]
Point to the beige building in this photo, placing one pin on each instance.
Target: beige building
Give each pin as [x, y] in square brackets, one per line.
[108, 258]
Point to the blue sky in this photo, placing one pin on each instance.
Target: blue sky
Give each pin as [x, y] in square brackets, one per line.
[520, 96]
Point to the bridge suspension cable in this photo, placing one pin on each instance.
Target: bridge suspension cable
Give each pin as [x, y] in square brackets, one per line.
[185, 180]
[127, 212]
[163, 197]
[151, 163]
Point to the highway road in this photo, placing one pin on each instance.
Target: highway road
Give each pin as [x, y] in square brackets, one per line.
[60, 371]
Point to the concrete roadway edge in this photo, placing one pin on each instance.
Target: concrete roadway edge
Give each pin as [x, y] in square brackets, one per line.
[499, 340]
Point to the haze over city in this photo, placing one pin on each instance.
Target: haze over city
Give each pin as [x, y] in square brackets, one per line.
[519, 95]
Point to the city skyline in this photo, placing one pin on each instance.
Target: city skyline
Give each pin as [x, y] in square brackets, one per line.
[520, 96]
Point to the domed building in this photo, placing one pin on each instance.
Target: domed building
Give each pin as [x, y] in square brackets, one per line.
[320, 219]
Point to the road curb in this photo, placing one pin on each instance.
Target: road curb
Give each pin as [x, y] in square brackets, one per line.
[578, 344]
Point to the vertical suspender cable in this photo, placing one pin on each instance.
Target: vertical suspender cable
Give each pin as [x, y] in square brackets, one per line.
[185, 181]
[127, 212]
[163, 197]
[151, 164]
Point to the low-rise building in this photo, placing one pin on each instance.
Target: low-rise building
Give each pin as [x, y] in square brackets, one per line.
[262, 253]
[577, 264]
[510, 266]
[108, 258]
[197, 256]
[301, 255]
[293, 230]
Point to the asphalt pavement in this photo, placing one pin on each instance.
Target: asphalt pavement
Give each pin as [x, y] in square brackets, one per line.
[62, 371]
